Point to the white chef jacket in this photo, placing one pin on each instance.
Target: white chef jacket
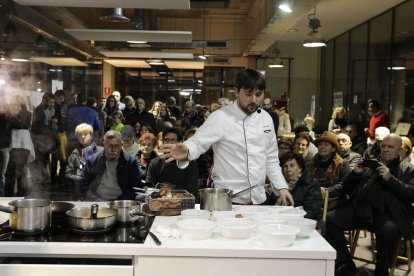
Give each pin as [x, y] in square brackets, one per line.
[245, 151]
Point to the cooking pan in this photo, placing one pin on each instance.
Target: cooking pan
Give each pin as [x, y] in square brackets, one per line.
[220, 199]
[29, 215]
[93, 219]
[128, 211]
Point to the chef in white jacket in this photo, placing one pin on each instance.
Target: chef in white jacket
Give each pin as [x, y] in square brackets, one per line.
[244, 144]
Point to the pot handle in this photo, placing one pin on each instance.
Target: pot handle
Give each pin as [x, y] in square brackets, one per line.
[94, 211]
[5, 209]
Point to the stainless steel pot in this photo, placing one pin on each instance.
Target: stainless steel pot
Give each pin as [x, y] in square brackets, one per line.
[212, 199]
[127, 210]
[29, 215]
[91, 219]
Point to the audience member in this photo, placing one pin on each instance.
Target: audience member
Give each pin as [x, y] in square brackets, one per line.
[284, 146]
[143, 116]
[146, 153]
[301, 147]
[214, 107]
[155, 107]
[284, 122]
[338, 120]
[171, 104]
[301, 130]
[77, 160]
[344, 150]
[305, 190]
[406, 148]
[118, 121]
[267, 105]
[110, 174]
[381, 201]
[129, 109]
[117, 95]
[128, 140]
[359, 143]
[374, 150]
[110, 107]
[223, 102]
[162, 172]
[378, 119]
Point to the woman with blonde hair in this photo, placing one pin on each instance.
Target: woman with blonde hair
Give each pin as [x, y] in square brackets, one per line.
[338, 120]
[155, 107]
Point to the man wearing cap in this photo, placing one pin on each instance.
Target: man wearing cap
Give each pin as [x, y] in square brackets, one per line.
[344, 150]
[374, 151]
[128, 140]
[381, 201]
[327, 166]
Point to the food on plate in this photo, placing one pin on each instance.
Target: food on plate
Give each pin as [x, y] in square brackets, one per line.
[239, 216]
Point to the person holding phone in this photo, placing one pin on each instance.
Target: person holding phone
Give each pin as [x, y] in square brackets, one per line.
[383, 192]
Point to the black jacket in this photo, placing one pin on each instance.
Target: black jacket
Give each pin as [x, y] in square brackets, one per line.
[394, 196]
[307, 193]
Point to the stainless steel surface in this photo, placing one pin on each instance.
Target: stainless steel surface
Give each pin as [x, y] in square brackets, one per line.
[243, 191]
[127, 210]
[215, 199]
[29, 215]
[83, 219]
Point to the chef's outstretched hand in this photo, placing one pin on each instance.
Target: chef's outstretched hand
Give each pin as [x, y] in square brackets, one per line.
[171, 152]
[287, 198]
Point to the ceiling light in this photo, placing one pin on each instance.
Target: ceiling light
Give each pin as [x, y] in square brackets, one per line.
[315, 38]
[137, 42]
[116, 16]
[285, 7]
[275, 63]
[155, 62]
[20, 59]
[203, 57]
[396, 68]
[10, 30]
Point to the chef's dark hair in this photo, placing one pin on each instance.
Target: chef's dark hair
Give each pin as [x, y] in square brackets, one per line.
[250, 80]
[290, 156]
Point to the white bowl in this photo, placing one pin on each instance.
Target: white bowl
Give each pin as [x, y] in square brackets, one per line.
[196, 229]
[306, 226]
[234, 228]
[278, 235]
[277, 209]
[269, 218]
[293, 213]
[195, 214]
[221, 216]
[253, 209]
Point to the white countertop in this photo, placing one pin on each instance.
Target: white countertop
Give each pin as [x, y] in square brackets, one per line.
[314, 247]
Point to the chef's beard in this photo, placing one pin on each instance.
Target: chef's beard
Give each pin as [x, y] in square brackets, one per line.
[249, 109]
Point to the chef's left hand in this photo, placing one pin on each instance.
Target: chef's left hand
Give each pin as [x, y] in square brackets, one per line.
[384, 171]
[286, 197]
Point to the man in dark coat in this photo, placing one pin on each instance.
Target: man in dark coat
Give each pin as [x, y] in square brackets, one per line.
[110, 174]
[267, 105]
[381, 201]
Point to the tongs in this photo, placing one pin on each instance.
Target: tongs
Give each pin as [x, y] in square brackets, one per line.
[147, 190]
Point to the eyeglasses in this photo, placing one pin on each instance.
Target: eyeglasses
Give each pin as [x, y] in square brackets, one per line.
[169, 140]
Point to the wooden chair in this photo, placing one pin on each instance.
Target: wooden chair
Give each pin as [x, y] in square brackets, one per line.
[373, 251]
[325, 205]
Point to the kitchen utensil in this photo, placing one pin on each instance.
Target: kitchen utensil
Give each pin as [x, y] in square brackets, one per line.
[128, 211]
[29, 215]
[91, 219]
[243, 191]
[155, 238]
[213, 199]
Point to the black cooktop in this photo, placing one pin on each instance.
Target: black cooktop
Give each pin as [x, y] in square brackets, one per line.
[61, 232]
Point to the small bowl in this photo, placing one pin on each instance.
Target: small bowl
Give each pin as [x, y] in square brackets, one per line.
[253, 209]
[234, 228]
[222, 216]
[306, 226]
[278, 235]
[196, 229]
[278, 208]
[290, 214]
[270, 218]
[195, 214]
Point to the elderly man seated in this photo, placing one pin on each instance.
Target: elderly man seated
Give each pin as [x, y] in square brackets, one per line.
[344, 150]
[381, 196]
[110, 174]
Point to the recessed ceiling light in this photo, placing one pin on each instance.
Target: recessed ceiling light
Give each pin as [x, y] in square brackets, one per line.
[20, 59]
[137, 42]
[293, 30]
[285, 7]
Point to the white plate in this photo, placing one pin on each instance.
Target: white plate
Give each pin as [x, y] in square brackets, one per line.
[4, 217]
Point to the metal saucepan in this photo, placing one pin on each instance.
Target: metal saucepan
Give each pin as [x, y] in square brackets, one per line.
[212, 199]
[128, 211]
[93, 219]
[29, 215]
